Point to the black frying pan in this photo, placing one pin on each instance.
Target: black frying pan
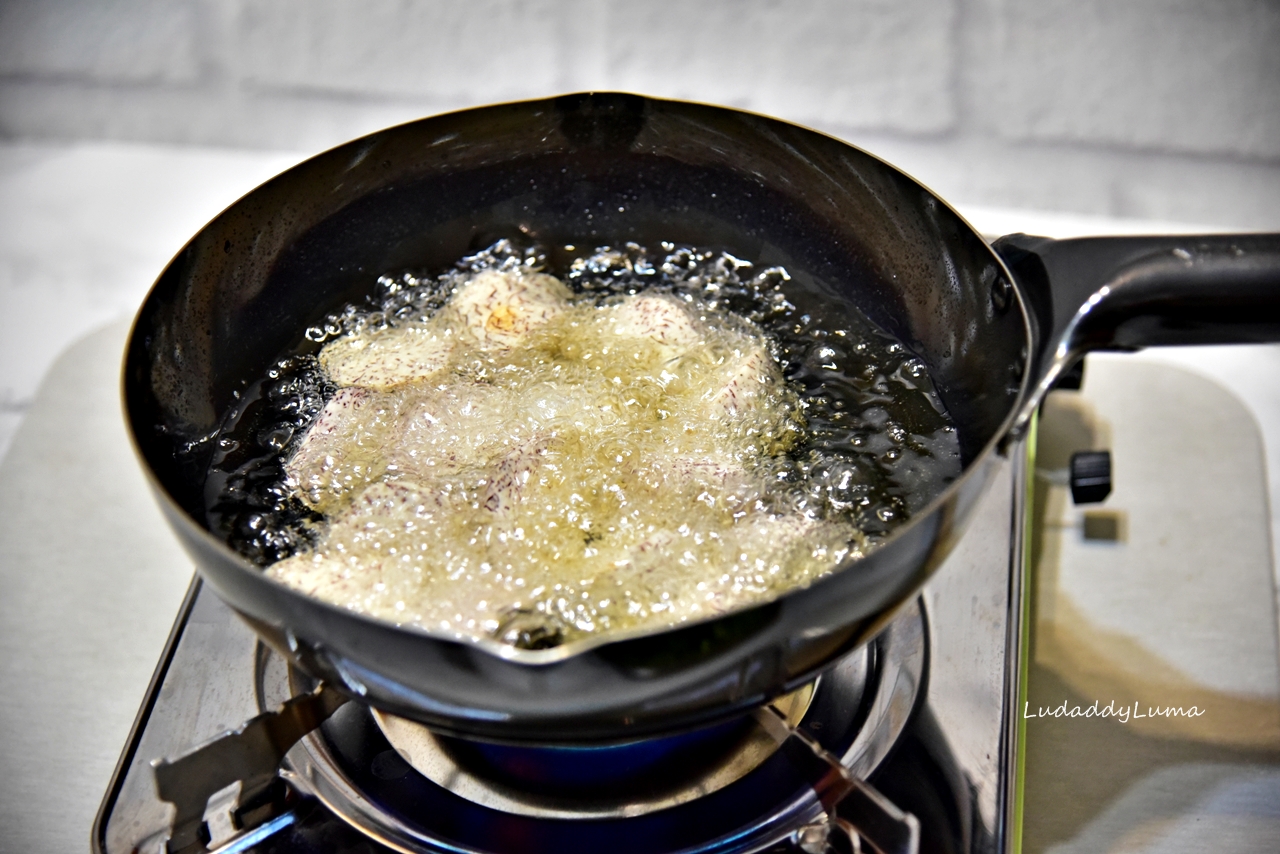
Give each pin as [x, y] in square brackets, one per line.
[995, 326]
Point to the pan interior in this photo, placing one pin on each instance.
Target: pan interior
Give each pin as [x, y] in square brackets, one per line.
[852, 231]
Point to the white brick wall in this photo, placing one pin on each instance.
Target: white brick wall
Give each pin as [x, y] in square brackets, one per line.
[1163, 109]
[1198, 76]
[108, 42]
[860, 63]
[477, 50]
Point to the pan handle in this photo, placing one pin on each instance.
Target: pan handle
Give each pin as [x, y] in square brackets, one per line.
[1126, 293]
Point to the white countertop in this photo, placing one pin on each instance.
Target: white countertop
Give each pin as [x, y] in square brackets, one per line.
[90, 579]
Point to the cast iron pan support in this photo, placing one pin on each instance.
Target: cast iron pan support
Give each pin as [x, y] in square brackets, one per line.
[875, 819]
[1126, 293]
[250, 756]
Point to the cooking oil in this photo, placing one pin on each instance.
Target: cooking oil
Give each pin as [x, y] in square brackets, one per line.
[496, 452]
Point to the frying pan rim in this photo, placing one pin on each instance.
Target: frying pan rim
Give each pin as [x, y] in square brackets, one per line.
[544, 657]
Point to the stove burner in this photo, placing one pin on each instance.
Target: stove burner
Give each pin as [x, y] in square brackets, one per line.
[608, 781]
[751, 790]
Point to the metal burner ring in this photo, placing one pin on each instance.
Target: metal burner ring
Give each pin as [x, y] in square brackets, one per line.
[860, 727]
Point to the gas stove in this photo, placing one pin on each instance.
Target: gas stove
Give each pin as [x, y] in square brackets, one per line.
[915, 733]
[85, 606]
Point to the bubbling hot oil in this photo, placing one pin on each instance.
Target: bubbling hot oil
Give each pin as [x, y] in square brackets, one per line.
[574, 479]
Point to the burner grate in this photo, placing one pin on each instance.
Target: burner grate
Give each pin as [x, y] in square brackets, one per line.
[859, 708]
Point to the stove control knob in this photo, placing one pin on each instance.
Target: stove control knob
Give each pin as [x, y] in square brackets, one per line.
[1090, 476]
[1072, 379]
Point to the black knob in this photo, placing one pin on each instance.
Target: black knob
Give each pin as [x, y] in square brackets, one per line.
[1072, 379]
[1090, 476]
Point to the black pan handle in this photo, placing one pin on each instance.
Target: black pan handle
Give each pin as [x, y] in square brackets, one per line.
[1126, 293]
